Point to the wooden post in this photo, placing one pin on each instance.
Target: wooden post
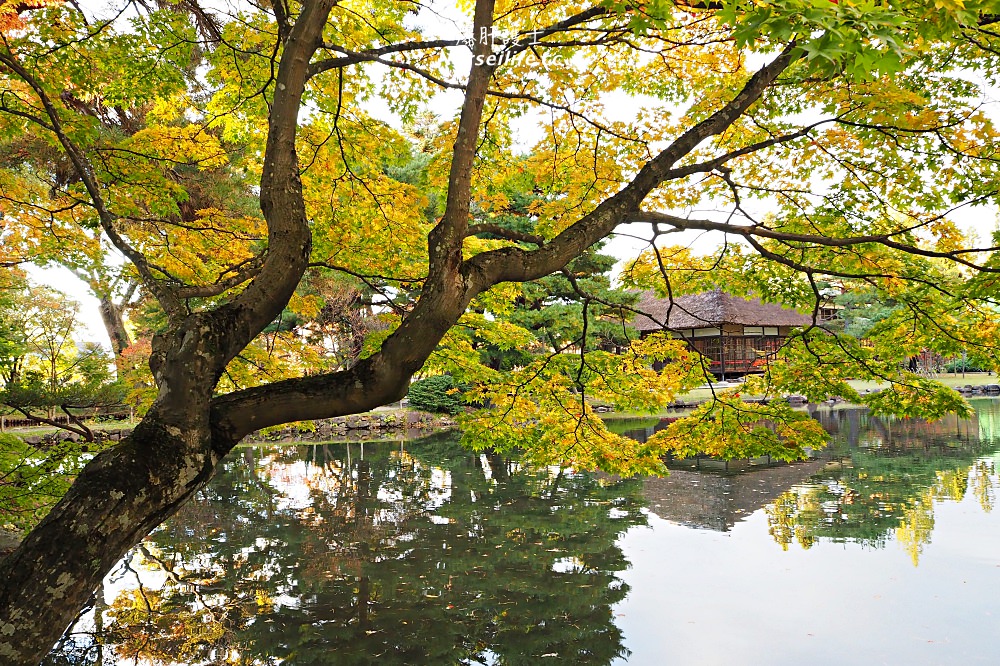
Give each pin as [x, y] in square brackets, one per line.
[722, 355]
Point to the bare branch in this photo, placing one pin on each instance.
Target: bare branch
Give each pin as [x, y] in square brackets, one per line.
[761, 231]
[79, 428]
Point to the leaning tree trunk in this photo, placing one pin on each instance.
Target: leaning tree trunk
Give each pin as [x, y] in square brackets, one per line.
[118, 498]
[127, 491]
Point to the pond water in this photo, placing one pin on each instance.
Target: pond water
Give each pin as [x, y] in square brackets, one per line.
[882, 549]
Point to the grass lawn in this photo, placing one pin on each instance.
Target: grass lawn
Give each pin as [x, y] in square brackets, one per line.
[108, 426]
[946, 378]
[703, 394]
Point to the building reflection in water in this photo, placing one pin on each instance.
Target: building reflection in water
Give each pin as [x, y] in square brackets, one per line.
[877, 481]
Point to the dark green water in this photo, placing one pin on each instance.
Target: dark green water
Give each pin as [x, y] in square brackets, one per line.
[884, 549]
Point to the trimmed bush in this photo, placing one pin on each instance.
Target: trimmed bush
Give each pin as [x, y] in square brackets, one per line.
[437, 394]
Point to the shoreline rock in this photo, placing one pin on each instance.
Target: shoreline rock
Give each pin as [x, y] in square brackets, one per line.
[408, 424]
[391, 425]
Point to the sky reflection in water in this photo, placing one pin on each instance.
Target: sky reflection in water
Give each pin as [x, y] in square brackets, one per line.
[887, 554]
[880, 551]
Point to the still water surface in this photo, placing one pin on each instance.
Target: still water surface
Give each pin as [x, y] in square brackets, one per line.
[883, 549]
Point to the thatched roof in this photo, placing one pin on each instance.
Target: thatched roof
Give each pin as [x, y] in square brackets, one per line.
[712, 308]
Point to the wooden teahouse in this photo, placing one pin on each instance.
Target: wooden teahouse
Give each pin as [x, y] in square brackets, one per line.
[735, 335]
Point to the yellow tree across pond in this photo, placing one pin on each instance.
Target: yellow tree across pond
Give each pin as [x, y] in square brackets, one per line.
[877, 496]
[237, 159]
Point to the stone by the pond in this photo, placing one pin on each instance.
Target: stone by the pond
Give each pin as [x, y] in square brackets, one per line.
[357, 426]
[8, 540]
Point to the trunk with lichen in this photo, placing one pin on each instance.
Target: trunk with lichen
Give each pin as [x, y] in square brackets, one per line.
[116, 500]
[173, 452]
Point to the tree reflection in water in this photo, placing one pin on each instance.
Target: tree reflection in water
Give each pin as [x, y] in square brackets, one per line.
[429, 554]
[314, 555]
[886, 478]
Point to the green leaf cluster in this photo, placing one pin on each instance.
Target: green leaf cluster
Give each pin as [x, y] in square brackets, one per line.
[33, 479]
[729, 428]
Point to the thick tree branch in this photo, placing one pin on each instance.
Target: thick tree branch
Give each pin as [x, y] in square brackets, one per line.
[444, 243]
[504, 233]
[350, 57]
[518, 265]
[280, 18]
[281, 200]
[384, 377]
